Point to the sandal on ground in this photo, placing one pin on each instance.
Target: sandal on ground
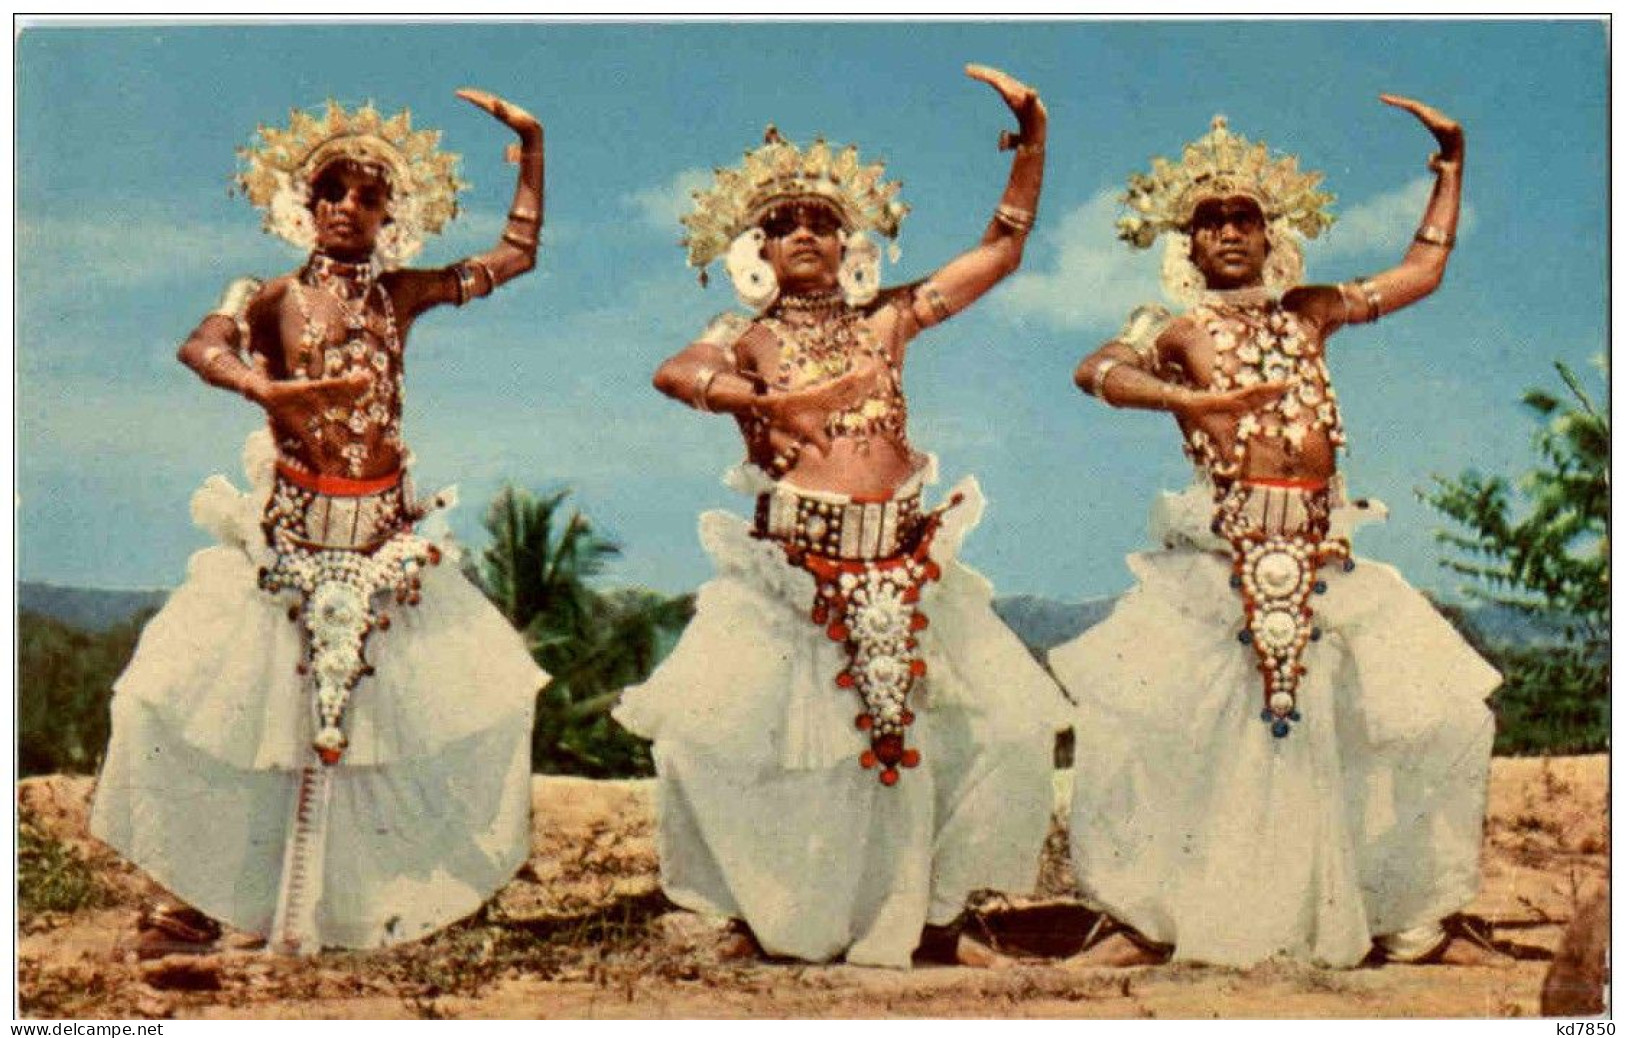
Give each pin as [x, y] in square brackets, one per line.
[1470, 929]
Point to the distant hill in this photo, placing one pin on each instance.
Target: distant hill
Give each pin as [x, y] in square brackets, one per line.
[1044, 623]
[1041, 623]
[88, 609]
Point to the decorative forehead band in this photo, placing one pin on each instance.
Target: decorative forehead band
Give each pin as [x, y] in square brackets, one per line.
[1220, 165]
[779, 173]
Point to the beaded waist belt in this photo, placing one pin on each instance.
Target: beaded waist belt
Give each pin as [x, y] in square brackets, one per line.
[838, 526]
[322, 512]
[1277, 531]
[868, 601]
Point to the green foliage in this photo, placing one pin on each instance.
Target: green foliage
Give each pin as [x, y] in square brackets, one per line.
[64, 682]
[537, 570]
[52, 877]
[1554, 701]
[1551, 561]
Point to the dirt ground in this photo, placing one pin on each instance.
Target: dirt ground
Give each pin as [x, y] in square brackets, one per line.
[583, 932]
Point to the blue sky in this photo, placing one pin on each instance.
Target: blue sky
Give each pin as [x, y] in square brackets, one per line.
[126, 234]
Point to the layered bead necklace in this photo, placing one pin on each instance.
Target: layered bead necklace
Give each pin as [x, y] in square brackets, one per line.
[820, 336]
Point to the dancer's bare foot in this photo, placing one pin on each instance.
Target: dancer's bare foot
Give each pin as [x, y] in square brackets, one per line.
[738, 944]
[1118, 949]
[970, 952]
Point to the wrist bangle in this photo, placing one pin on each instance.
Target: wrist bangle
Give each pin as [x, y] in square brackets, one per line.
[523, 215]
[1017, 219]
[1428, 234]
[702, 388]
[1437, 162]
[1097, 384]
[519, 241]
[1010, 140]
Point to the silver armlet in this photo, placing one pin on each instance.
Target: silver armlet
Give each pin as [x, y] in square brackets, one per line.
[468, 285]
[1373, 298]
[234, 300]
[939, 309]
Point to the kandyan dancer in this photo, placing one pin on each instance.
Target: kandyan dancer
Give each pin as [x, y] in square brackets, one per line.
[849, 741]
[323, 738]
[1282, 750]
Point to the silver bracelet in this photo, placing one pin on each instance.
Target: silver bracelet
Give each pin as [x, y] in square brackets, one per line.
[1428, 234]
[1018, 220]
[702, 388]
[1010, 140]
[519, 241]
[1097, 384]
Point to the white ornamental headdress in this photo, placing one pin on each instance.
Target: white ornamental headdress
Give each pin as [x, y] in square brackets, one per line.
[278, 169]
[779, 172]
[1220, 165]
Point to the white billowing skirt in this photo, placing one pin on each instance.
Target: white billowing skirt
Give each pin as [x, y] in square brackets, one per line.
[430, 808]
[766, 814]
[1193, 824]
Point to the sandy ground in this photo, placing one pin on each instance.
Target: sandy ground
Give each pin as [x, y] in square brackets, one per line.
[583, 932]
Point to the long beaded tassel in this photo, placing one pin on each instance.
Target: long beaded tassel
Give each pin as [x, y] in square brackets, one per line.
[293, 927]
[1276, 574]
[872, 608]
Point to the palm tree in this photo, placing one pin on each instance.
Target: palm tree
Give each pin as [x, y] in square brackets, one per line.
[537, 571]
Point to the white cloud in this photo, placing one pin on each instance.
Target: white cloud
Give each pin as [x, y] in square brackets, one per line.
[1381, 225]
[662, 205]
[1094, 280]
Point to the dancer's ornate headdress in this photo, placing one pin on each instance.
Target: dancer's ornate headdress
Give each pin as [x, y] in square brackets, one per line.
[1219, 165]
[277, 171]
[778, 171]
